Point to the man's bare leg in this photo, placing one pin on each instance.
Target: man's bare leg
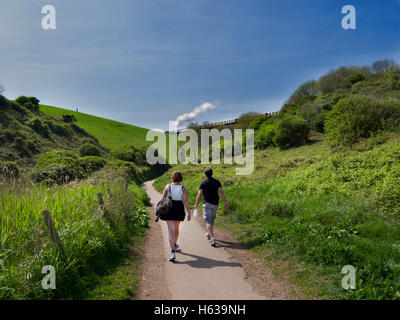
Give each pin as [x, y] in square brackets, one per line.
[210, 230]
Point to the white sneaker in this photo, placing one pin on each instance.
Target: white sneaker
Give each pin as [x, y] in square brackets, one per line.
[173, 257]
[208, 236]
[213, 243]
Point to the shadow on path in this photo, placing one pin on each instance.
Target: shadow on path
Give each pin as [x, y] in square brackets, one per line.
[229, 244]
[206, 263]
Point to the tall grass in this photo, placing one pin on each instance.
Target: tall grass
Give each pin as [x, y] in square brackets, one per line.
[25, 246]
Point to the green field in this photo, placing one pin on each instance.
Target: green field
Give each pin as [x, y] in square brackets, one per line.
[110, 134]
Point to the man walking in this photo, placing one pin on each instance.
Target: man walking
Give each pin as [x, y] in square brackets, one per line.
[209, 189]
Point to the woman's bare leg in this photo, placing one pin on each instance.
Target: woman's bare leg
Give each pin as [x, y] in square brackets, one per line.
[176, 224]
[171, 232]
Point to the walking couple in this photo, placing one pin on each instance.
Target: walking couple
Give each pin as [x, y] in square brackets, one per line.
[209, 190]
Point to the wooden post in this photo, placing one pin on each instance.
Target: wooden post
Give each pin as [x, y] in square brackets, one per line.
[101, 201]
[103, 210]
[53, 232]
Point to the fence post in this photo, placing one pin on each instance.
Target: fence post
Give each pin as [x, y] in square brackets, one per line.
[53, 232]
[101, 201]
[103, 210]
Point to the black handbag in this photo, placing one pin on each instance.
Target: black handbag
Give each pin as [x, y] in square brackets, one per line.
[165, 204]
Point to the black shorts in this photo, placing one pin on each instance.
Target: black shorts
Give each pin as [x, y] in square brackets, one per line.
[177, 212]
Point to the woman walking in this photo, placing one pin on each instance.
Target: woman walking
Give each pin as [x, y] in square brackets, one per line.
[177, 214]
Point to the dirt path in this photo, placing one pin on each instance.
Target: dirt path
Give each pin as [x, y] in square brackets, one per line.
[201, 271]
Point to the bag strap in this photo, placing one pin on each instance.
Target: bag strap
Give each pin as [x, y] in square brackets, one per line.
[169, 190]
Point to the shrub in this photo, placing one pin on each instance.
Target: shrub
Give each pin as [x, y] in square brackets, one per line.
[30, 106]
[56, 173]
[16, 107]
[358, 117]
[335, 79]
[290, 131]
[354, 78]
[88, 149]
[92, 163]
[23, 99]
[91, 140]
[61, 130]
[257, 122]
[79, 130]
[37, 125]
[20, 145]
[306, 92]
[32, 146]
[131, 154]
[127, 169]
[264, 136]
[56, 157]
[57, 167]
[9, 169]
[319, 122]
[69, 118]
[385, 66]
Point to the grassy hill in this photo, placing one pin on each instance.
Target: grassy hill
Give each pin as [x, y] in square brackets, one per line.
[110, 134]
[26, 133]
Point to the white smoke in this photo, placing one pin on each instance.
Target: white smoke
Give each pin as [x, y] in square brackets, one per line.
[203, 108]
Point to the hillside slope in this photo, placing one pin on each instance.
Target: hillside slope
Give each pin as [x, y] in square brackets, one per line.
[110, 134]
[26, 133]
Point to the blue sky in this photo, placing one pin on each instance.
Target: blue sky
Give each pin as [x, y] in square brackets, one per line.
[146, 62]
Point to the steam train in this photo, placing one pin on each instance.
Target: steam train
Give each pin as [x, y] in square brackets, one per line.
[225, 123]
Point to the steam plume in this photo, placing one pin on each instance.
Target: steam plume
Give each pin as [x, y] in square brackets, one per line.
[203, 108]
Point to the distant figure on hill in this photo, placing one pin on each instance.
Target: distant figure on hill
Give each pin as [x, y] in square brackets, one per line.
[209, 189]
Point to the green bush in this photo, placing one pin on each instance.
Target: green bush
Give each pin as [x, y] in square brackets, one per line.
[59, 167]
[264, 136]
[9, 169]
[257, 122]
[63, 166]
[69, 118]
[61, 130]
[92, 163]
[354, 78]
[37, 125]
[23, 99]
[79, 130]
[57, 157]
[305, 93]
[88, 149]
[20, 144]
[126, 168]
[57, 173]
[30, 106]
[131, 154]
[290, 131]
[358, 117]
[91, 140]
[319, 122]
